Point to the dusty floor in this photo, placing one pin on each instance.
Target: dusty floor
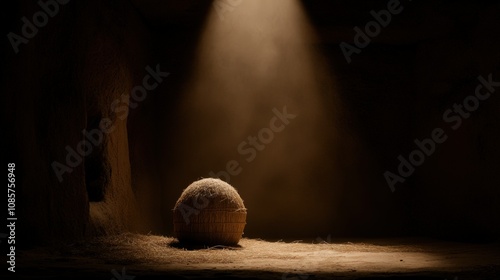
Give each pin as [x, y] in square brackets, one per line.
[155, 257]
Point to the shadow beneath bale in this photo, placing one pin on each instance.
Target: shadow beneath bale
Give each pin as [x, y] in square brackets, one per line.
[196, 246]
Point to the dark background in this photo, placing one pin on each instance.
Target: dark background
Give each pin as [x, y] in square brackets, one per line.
[322, 175]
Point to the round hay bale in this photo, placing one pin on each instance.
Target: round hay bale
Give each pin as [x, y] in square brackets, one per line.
[209, 212]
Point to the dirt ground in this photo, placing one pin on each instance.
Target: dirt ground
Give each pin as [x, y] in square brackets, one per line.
[134, 256]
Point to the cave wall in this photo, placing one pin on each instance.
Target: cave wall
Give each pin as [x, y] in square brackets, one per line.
[60, 83]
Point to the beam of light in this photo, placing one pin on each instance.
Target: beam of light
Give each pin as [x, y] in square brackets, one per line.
[261, 56]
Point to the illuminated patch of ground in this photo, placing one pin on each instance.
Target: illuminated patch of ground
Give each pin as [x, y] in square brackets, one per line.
[155, 257]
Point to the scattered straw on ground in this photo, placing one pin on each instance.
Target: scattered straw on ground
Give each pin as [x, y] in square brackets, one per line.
[160, 254]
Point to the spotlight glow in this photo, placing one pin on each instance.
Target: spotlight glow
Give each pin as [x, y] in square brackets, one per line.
[259, 57]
